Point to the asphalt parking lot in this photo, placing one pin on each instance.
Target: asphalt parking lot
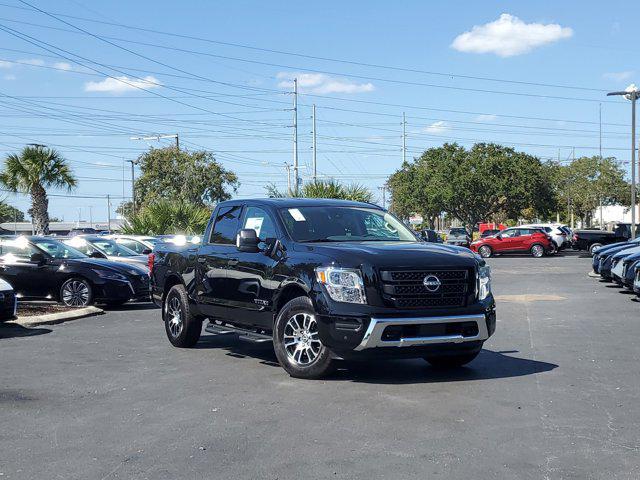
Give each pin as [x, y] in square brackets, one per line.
[555, 394]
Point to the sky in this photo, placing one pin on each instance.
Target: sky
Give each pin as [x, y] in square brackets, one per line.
[85, 77]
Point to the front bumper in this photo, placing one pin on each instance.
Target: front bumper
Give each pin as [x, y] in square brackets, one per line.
[376, 337]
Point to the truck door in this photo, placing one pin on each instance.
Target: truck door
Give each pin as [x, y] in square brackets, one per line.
[213, 291]
[250, 275]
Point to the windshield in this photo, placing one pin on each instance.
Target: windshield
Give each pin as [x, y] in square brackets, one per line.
[457, 231]
[57, 249]
[112, 249]
[344, 224]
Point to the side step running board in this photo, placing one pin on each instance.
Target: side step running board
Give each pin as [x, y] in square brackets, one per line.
[249, 335]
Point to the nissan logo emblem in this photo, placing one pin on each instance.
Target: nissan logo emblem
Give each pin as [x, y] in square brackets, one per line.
[431, 283]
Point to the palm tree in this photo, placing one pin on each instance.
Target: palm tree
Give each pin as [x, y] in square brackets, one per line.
[33, 171]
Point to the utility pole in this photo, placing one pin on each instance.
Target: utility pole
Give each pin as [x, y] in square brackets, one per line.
[295, 137]
[384, 195]
[108, 213]
[632, 93]
[133, 185]
[600, 150]
[315, 159]
[404, 138]
[158, 137]
[91, 216]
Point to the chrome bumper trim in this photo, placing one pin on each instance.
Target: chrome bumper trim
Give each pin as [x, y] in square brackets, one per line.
[373, 336]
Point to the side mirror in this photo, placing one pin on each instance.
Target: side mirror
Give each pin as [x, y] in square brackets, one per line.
[499, 236]
[247, 240]
[38, 258]
[146, 251]
[97, 254]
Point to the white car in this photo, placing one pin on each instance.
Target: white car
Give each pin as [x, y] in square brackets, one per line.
[559, 237]
[8, 301]
[141, 244]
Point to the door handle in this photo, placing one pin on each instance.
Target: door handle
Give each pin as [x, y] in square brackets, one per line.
[232, 262]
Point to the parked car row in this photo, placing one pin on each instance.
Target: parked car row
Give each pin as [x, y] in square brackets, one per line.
[620, 263]
[538, 240]
[78, 270]
[592, 240]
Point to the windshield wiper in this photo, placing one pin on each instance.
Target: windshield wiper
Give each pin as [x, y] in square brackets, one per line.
[319, 240]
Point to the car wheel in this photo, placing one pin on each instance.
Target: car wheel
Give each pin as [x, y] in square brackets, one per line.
[296, 341]
[537, 250]
[76, 292]
[485, 251]
[594, 247]
[452, 361]
[182, 327]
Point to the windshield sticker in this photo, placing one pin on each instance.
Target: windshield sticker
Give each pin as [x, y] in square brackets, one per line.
[297, 215]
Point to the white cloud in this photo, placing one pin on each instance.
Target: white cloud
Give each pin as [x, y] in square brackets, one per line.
[6, 65]
[437, 127]
[618, 76]
[122, 84]
[38, 62]
[321, 84]
[10, 77]
[62, 66]
[509, 36]
[486, 117]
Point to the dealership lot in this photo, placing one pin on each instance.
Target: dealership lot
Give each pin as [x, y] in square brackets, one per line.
[554, 394]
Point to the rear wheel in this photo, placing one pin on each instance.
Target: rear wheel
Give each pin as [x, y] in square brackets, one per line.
[537, 250]
[182, 327]
[485, 251]
[594, 247]
[76, 292]
[296, 341]
[452, 361]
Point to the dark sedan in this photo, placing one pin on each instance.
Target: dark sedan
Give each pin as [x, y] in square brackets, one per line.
[42, 267]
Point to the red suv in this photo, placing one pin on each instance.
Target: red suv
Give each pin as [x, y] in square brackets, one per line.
[515, 240]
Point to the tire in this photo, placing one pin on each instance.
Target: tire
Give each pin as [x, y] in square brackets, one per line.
[182, 327]
[485, 251]
[593, 247]
[303, 355]
[537, 250]
[452, 361]
[76, 292]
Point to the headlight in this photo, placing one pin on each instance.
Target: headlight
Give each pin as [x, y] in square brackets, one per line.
[108, 274]
[342, 284]
[484, 282]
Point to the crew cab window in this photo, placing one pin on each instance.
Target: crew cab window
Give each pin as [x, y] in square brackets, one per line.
[225, 226]
[259, 220]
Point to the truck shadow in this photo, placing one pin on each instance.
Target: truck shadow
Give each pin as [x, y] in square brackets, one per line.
[11, 330]
[488, 365]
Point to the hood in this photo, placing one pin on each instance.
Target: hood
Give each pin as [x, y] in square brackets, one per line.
[626, 252]
[615, 250]
[392, 254]
[123, 268]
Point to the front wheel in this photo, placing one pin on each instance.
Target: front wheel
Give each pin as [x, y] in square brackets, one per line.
[76, 292]
[296, 341]
[452, 361]
[537, 250]
[594, 247]
[485, 251]
[182, 327]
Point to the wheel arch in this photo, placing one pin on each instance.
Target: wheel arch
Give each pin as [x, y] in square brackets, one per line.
[170, 282]
[287, 293]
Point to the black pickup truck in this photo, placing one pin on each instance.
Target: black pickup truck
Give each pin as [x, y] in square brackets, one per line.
[324, 280]
[591, 240]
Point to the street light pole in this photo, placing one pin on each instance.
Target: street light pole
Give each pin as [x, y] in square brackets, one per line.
[631, 93]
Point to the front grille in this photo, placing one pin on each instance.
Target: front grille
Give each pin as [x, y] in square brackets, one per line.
[405, 288]
[141, 285]
[8, 299]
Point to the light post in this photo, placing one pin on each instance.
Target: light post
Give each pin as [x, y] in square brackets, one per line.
[631, 93]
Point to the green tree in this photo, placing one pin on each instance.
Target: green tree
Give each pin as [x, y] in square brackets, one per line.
[472, 185]
[9, 213]
[327, 189]
[195, 177]
[168, 216]
[588, 181]
[33, 171]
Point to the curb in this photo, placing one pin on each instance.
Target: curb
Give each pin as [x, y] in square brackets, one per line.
[58, 317]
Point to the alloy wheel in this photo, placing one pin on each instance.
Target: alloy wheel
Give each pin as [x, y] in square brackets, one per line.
[485, 252]
[301, 341]
[174, 316]
[75, 293]
[537, 251]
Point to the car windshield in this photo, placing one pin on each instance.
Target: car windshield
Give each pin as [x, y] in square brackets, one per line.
[457, 231]
[57, 249]
[344, 224]
[111, 248]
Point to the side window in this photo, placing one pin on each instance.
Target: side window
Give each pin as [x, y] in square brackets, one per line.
[510, 233]
[132, 244]
[225, 226]
[259, 220]
[16, 249]
[525, 231]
